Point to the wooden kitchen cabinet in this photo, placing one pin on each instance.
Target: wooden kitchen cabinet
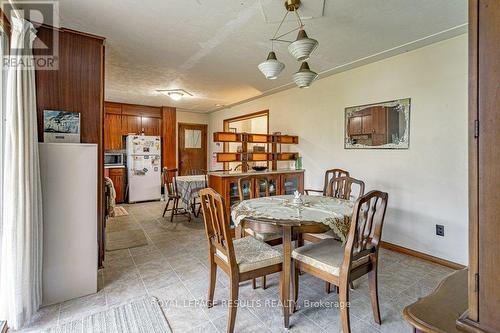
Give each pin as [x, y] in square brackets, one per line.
[366, 124]
[119, 178]
[131, 124]
[112, 131]
[151, 126]
[355, 125]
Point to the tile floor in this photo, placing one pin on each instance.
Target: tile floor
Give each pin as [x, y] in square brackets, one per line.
[173, 268]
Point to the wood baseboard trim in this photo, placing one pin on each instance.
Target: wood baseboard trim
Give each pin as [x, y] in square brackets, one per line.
[420, 255]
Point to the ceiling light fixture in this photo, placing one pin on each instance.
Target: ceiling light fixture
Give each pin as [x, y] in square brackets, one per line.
[175, 94]
[300, 49]
[304, 77]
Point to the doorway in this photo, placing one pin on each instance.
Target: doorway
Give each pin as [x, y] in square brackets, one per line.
[192, 139]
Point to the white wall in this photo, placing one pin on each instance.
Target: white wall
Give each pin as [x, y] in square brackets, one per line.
[427, 184]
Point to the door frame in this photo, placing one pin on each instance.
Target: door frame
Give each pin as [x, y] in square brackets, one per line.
[205, 126]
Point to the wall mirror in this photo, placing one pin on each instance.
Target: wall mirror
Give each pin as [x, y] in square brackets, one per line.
[383, 125]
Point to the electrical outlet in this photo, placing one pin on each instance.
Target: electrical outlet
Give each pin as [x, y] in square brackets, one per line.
[440, 230]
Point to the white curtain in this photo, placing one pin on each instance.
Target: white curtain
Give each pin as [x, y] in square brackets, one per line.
[21, 239]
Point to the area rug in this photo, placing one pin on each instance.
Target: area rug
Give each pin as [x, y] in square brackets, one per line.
[143, 315]
[125, 239]
[120, 211]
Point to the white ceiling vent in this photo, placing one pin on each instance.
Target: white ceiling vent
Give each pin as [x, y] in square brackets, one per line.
[274, 10]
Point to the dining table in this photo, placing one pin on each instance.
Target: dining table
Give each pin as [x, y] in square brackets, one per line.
[292, 218]
[188, 187]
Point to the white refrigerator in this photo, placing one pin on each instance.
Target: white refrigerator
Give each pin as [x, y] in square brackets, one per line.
[144, 168]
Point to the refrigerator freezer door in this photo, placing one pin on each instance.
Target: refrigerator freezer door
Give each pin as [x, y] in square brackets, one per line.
[143, 145]
[144, 177]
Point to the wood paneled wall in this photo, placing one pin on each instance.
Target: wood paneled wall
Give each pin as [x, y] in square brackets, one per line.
[77, 86]
[169, 126]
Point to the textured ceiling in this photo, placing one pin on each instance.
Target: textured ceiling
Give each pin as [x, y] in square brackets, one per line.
[211, 48]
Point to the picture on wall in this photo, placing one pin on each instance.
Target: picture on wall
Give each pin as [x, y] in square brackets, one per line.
[61, 126]
[384, 125]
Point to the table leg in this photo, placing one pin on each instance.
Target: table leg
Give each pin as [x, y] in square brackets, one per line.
[287, 258]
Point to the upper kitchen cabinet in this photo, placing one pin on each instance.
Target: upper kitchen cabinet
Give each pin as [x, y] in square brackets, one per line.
[151, 126]
[112, 131]
[123, 119]
[131, 125]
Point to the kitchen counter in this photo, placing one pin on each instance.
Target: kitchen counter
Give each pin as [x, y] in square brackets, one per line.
[252, 172]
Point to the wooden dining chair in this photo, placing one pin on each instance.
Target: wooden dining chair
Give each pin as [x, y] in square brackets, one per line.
[340, 265]
[329, 174]
[246, 191]
[341, 188]
[195, 202]
[172, 194]
[241, 259]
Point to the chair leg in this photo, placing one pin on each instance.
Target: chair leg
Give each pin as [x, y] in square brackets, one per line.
[372, 283]
[174, 210]
[264, 282]
[344, 308]
[351, 285]
[254, 284]
[212, 279]
[166, 207]
[233, 304]
[328, 287]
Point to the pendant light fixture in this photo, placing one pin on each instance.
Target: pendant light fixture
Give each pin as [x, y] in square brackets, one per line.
[271, 68]
[303, 46]
[300, 49]
[304, 77]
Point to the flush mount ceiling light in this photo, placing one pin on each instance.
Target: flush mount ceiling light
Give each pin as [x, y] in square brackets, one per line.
[175, 94]
[300, 49]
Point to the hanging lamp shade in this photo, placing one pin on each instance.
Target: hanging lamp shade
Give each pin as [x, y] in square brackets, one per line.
[271, 68]
[303, 46]
[304, 77]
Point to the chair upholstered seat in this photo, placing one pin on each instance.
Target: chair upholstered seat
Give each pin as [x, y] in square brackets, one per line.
[324, 235]
[263, 237]
[326, 255]
[252, 254]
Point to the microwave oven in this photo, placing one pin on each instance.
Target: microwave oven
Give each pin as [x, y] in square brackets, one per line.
[113, 159]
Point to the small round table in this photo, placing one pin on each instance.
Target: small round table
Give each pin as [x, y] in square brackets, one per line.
[279, 214]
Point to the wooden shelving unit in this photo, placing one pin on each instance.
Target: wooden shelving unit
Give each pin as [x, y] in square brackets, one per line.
[245, 156]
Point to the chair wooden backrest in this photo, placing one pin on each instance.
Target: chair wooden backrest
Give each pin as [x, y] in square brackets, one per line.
[366, 229]
[169, 181]
[217, 225]
[331, 174]
[341, 187]
[196, 172]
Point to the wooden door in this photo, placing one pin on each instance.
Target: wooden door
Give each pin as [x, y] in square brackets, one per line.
[151, 126]
[366, 124]
[131, 125]
[112, 131]
[192, 147]
[354, 126]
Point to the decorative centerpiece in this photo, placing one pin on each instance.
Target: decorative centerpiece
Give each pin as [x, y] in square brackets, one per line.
[297, 200]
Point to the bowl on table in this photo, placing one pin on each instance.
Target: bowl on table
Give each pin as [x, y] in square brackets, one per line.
[259, 168]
